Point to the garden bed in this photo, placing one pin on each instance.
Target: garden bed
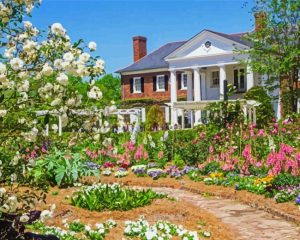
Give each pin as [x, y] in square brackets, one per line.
[191, 217]
[289, 211]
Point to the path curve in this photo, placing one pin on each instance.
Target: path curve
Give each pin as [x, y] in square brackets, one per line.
[247, 222]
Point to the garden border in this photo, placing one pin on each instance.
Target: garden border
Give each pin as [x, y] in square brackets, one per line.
[182, 186]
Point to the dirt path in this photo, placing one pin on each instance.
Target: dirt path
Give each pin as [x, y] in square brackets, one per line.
[247, 222]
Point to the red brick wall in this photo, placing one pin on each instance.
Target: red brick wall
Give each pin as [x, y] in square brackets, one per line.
[148, 88]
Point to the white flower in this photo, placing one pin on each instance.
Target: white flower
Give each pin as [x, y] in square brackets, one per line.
[58, 29]
[54, 127]
[46, 214]
[47, 70]
[55, 102]
[99, 64]
[87, 228]
[2, 191]
[62, 79]
[24, 218]
[3, 113]
[92, 46]
[84, 57]
[58, 63]
[5, 208]
[68, 56]
[16, 64]
[2, 68]
[95, 93]
[27, 24]
[71, 102]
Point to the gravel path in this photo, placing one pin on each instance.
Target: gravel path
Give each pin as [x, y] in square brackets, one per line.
[247, 222]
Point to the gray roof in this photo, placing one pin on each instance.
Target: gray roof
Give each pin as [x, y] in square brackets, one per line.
[155, 59]
[237, 37]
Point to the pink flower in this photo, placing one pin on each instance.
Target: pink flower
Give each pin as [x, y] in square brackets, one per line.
[261, 132]
[160, 154]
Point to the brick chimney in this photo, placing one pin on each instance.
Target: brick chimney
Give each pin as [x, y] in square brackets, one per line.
[259, 20]
[139, 47]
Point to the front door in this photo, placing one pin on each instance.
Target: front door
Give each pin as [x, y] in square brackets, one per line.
[240, 80]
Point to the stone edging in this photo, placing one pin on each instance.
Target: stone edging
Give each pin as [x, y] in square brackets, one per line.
[272, 211]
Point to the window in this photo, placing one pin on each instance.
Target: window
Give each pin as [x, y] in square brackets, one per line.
[160, 83]
[137, 85]
[184, 81]
[215, 79]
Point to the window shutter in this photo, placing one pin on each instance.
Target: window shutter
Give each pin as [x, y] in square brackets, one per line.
[154, 84]
[142, 84]
[131, 85]
[179, 81]
[166, 82]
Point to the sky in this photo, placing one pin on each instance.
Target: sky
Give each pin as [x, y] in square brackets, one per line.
[113, 23]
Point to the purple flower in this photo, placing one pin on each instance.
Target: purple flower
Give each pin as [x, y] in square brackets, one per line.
[298, 199]
[92, 165]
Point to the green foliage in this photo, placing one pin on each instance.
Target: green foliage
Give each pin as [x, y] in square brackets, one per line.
[225, 112]
[286, 179]
[62, 168]
[210, 168]
[275, 46]
[264, 112]
[112, 197]
[155, 118]
[177, 161]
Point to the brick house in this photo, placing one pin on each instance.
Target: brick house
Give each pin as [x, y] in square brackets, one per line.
[192, 70]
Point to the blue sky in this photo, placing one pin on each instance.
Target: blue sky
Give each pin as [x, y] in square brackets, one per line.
[113, 23]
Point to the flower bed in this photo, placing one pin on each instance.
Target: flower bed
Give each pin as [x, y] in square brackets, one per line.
[101, 197]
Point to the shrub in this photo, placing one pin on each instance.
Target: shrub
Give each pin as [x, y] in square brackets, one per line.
[155, 118]
[103, 197]
[264, 112]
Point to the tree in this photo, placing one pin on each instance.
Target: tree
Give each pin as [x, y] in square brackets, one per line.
[155, 118]
[275, 47]
[111, 87]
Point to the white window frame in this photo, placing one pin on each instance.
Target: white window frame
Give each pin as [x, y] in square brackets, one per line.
[158, 89]
[134, 84]
[182, 81]
[212, 85]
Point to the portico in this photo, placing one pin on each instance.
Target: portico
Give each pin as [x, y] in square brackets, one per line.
[207, 60]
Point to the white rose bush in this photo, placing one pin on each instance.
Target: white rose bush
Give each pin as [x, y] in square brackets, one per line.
[37, 71]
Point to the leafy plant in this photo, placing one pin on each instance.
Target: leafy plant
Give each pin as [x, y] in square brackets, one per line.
[101, 197]
[62, 168]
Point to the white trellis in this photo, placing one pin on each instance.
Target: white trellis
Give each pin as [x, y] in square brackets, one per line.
[83, 112]
[132, 112]
[79, 112]
[248, 106]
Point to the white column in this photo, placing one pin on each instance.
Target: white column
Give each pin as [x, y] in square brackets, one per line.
[189, 93]
[174, 118]
[203, 86]
[143, 114]
[167, 114]
[197, 92]
[182, 119]
[250, 78]
[222, 78]
[189, 86]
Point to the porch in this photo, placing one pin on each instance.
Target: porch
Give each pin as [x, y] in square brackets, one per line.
[205, 84]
